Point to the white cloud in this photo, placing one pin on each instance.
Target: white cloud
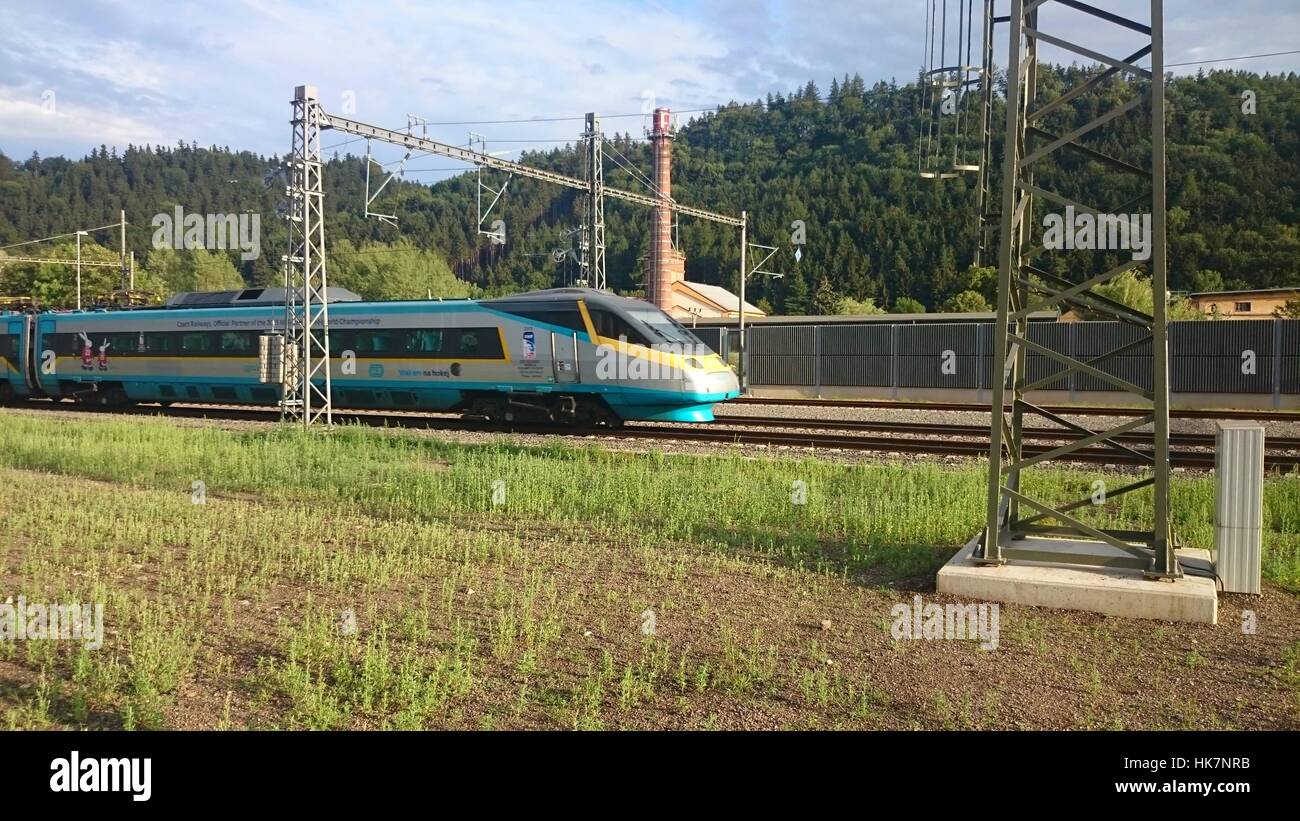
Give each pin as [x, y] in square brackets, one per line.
[23, 118]
[184, 70]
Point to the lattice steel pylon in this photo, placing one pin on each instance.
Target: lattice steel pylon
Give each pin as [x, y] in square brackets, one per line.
[983, 219]
[1026, 284]
[306, 394]
[593, 246]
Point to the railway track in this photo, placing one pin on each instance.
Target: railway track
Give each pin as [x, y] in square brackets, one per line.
[1071, 410]
[898, 437]
[1203, 440]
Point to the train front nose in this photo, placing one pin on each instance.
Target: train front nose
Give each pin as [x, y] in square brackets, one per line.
[713, 385]
[729, 384]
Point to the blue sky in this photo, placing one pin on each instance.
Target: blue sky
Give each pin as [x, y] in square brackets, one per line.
[74, 75]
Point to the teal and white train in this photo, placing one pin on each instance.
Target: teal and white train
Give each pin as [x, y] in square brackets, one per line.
[568, 355]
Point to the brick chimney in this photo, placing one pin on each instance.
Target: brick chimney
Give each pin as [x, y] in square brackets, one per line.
[665, 264]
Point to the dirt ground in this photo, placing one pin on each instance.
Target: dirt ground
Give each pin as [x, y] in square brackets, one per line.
[789, 647]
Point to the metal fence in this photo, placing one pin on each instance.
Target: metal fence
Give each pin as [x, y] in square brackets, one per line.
[1237, 356]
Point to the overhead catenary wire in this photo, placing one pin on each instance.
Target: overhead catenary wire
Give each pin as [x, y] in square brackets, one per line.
[1230, 59]
[735, 105]
[62, 236]
[628, 166]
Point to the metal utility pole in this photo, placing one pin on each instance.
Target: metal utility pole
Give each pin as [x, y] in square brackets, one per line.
[1027, 283]
[77, 262]
[305, 354]
[744, 275]
[122, 237]
[80, 234]
[594, 249]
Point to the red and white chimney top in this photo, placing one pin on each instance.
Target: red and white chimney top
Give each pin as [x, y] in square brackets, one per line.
[663, 123]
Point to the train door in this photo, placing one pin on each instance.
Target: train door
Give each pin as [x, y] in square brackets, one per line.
[43, 358]
[26, 355]
[564, 358]
[12, 382]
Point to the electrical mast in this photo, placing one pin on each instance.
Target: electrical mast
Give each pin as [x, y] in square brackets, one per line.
[593, 258]
[305, 353]
[1039, 130]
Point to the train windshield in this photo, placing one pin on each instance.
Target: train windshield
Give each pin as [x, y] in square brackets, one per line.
[663, 326]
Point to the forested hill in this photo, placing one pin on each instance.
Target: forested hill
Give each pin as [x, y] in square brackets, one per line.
[841, 159]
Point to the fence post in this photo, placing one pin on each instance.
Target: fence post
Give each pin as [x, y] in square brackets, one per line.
[1277, 363]
[1072, 379]
[893, 360]
[817, 359]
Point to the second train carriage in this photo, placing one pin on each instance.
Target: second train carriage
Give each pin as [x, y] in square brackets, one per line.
[568, 355]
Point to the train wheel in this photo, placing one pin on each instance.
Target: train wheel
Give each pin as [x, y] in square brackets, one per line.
[107, 396]
[605, 418]
[486, 409]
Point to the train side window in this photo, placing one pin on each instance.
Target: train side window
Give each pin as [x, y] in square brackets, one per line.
[157, 343]
[341, 341]
[564, 317]
[423, 341]
[119, 344]
[77, 345]
[236, 342]
[373, 342]
[612, 326]
[195, 344]
[479, 343]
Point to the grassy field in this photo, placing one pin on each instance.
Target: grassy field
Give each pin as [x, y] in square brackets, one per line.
[368, 578]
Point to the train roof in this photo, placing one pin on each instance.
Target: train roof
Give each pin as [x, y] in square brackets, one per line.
[248, 297]
[591, 296]
[274, 297]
